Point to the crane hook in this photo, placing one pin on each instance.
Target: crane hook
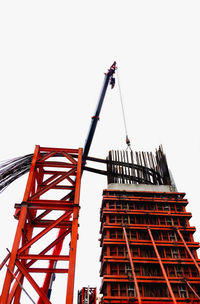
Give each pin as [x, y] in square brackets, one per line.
[112, 82]
[128, 142]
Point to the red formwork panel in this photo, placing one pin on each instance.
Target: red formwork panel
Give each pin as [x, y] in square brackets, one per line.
[50, 205]
[148, 251]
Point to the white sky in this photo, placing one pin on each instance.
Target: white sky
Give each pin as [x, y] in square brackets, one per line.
[53, 55]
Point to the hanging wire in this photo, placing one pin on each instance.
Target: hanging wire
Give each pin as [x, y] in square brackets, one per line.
[123, 112]
[12, 169]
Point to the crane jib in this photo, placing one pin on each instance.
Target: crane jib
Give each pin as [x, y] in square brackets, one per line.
[95, 117]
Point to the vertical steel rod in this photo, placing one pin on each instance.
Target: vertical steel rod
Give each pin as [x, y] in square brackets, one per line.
[74, 234]
[11, 265]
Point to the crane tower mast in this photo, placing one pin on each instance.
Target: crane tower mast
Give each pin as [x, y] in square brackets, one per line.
[53, 171]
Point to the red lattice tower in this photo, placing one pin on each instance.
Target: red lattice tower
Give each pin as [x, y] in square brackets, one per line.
[53, 171]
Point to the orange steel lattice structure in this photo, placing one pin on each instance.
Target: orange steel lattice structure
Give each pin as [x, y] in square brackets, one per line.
[53, 171]
[148, 251]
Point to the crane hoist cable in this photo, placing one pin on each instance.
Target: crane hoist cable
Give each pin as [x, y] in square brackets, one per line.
[123, 112]
[12, 169]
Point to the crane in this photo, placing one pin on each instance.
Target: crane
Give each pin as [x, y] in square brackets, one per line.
[49, 174]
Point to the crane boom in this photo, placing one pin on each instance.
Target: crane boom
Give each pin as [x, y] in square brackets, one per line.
[95, 118]
[37, 185]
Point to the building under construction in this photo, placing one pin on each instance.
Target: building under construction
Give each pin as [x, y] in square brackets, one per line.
[148, 254]
[148, 251]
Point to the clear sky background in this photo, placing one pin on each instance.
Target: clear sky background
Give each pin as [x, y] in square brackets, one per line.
[53, 55]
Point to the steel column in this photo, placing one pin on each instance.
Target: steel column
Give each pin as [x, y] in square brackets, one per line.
[11, 265]
[74, 236]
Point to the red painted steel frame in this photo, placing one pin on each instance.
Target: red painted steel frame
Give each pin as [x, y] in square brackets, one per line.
[47, 175]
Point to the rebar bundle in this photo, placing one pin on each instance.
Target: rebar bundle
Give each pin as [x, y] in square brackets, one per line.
[12, 169]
